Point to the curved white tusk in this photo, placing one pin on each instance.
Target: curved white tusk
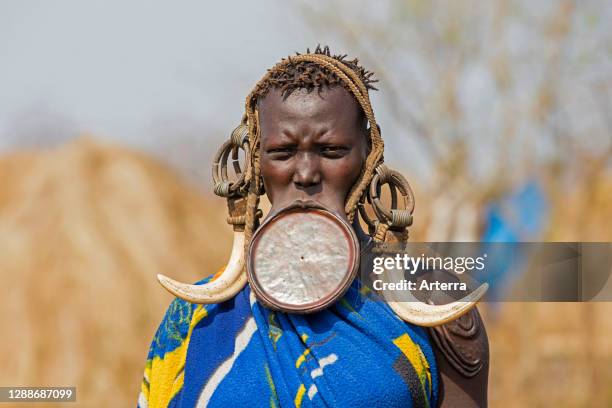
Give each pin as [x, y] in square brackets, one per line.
[225, 287]
[423, 314]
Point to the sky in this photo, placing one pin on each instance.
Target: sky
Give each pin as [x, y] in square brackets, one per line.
[170, 78]
[144, 73]
[113, 67]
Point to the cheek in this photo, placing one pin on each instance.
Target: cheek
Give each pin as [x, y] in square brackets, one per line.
[342, 174]
[276, 172]
[276, 176]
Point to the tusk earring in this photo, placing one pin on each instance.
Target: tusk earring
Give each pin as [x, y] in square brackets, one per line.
[423, 314]
[226, 286]
[233, 278]
[392, 226]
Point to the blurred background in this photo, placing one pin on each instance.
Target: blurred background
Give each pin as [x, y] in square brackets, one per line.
[498, 112]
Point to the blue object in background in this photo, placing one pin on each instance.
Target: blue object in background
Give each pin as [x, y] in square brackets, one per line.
[520, 216]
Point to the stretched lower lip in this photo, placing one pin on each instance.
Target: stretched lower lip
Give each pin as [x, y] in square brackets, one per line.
[305, 204]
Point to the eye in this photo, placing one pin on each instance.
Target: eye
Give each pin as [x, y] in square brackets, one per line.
[281, 153]
[334, 151]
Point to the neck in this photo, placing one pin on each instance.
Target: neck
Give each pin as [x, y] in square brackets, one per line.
[361, 235]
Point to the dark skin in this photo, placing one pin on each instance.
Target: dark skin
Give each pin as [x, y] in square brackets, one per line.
[313, 147]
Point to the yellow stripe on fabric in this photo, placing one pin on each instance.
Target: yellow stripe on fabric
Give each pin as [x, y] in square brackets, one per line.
[145, 385]
[178, 383]
[302, 358]
[299, 396]
[274, 396]
[416, 358]
[198, 314]
[165, 375]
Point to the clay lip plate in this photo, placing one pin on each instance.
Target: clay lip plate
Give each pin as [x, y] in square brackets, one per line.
[302, 260]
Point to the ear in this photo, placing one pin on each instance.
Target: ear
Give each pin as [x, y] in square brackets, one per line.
[365, 130]
[366, 135]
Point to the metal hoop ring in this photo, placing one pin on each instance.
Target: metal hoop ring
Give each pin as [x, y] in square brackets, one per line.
[394, 217]
[371, 223]
[222, 185]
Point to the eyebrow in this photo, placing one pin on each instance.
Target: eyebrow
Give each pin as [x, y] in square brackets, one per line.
[285, 136]
[281, 138]
[324, 136]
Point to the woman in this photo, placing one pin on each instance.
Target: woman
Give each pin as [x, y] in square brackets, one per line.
[309, 134]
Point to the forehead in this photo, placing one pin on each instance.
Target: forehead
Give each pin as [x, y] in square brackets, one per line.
[329, 104]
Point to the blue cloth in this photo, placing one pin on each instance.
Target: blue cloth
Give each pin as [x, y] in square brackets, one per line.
[356, 353]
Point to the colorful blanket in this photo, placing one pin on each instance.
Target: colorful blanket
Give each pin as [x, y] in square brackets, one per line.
[356, 353]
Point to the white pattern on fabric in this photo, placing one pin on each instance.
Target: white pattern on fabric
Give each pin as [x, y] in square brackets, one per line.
[241, 343]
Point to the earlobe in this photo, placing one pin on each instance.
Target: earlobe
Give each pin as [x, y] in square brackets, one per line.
[368, 142]
[366, 129]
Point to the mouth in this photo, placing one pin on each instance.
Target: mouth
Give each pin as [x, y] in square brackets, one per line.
[304, 204]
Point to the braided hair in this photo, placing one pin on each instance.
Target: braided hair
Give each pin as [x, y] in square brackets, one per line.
[309, 75]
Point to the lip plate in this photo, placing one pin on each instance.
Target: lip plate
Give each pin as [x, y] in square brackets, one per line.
[335, 293]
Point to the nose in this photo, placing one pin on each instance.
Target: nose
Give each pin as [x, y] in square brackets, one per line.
[307, 172]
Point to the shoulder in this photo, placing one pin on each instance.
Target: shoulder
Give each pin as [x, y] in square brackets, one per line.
[175, 325]
[462, 353]
[162, 380]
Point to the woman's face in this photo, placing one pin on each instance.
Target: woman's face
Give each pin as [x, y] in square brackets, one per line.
[313, 146]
